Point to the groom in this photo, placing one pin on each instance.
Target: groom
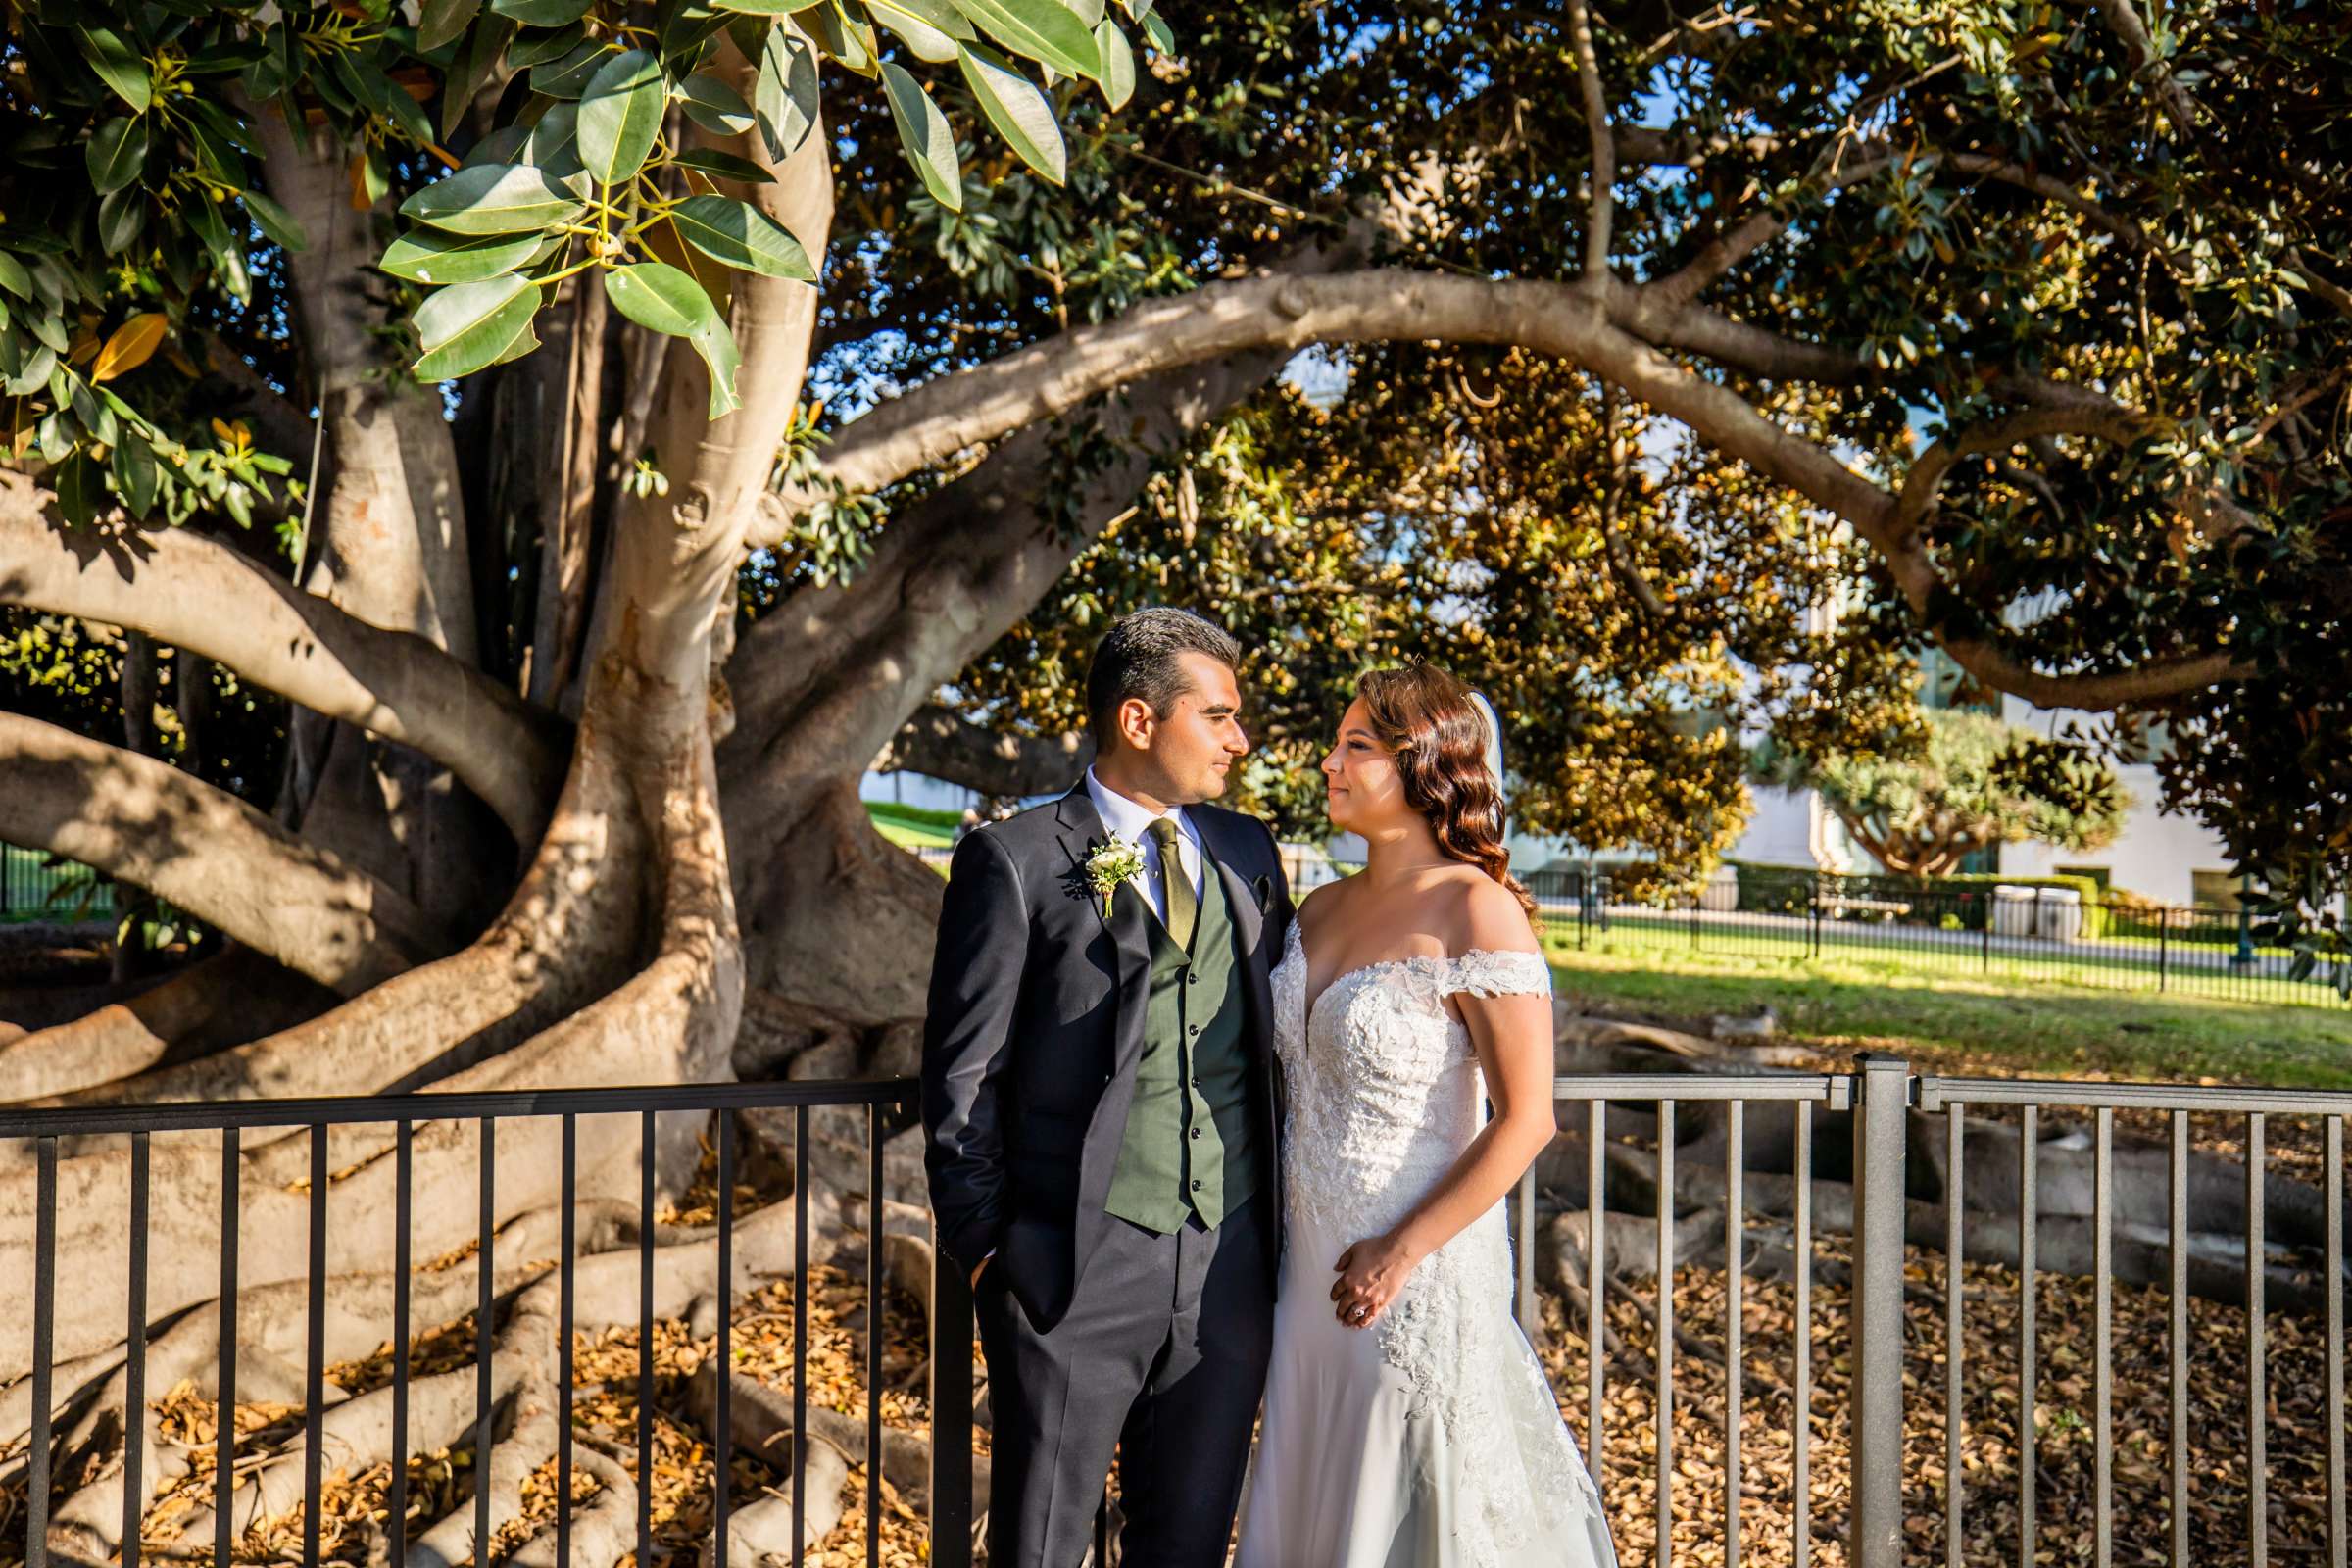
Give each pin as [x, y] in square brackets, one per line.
[1098, 1110]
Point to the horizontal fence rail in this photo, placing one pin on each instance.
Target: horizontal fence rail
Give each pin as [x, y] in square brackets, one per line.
[1903, 1148]
[2021, 931]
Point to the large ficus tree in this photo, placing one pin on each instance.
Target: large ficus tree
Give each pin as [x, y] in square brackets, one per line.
[582, 656]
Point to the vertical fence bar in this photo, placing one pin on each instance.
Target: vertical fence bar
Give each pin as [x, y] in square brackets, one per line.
[875, 1302]
[1530, 1318]
[568, 1242]
[1801, 1477]
[951, 1409]
[396, 1505]
[44, 1330]
[723, 1440]
[1985, 938]
[2258, 1523]
[2102, 1375]
[485, 1237]
[645, 1339]
[1735, 1249]
[224, 1436]
[2333, 1218]
[1596, 1241]
[2028, 1151]
[1876, 1522]
[1955, 1148]
[313, 1383]
[134, 1372]
[800, 1329]
[1665, 1396]
[2164, 945]
[2177, 1437]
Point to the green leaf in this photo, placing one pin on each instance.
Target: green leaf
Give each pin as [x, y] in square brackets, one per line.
[542, 12]
[845, 38]
[228, 257]
[1088, 12]
[1156, 28]
[81, 489]
[742, 236]
[1118, 63]
[925, 133]
[477, 59]
[542, 47]
[766, 8]
[685, 27]
[135, 475]
[619, 113]
[492, 199]
[569, 77]
[723, 165]
[119, 65]
[443, 20]
[275, 221]
[429, 255]
[1044, 31]
[1017, 107]
[714, 106]
[14, 277]
[468, 325]
[37, 366]
[784, 98]
[121, 214]
[929, 29]
[665, 299]
[117, 152]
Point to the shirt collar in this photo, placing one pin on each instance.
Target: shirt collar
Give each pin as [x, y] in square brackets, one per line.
[1126, 817]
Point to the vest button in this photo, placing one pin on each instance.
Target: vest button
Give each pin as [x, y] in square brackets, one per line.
[1196, 1028]
[1196, 1132]
[1195, 1184]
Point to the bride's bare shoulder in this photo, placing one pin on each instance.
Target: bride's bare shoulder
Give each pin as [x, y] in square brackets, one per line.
[1479, 914]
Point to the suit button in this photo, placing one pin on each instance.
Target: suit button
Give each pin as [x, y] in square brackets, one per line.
[1195, 1184]
[1196, 1132]
[1192, 979]
[1196, 1028]
[1195, 1083]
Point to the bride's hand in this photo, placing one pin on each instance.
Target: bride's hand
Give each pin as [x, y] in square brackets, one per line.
[1371, 1273]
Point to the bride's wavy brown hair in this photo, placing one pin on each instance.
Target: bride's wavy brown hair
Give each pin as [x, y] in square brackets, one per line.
[1427, 718]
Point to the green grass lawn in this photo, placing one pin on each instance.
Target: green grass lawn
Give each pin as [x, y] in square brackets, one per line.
[912, 826]
[1964, 1023]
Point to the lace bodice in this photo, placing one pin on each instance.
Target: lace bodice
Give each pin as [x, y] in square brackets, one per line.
[1384, 1093]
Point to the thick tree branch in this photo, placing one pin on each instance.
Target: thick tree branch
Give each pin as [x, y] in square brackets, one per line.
[1603, 195]
[1759, 228]
[151, 825]
[940, 743]
[2123, 20]
[202, 596]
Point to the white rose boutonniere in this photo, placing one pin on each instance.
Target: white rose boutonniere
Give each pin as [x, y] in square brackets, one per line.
[1113, 862]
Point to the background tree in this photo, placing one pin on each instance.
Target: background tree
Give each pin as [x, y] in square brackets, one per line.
[581, 670]
[1973, 782]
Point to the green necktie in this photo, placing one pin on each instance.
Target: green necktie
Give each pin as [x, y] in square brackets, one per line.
[1184, 905]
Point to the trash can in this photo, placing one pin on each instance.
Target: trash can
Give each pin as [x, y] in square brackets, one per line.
[1721, 894]
[2055, 914]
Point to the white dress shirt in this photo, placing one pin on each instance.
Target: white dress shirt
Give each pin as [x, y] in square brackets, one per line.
[1133, 822]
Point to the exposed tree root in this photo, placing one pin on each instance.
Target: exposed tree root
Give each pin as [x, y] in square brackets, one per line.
[230, 998]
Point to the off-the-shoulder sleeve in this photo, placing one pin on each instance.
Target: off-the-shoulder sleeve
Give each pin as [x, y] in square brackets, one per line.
[1490, 972]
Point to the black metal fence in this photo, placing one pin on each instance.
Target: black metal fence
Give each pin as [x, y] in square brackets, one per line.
[36, 886]
[1857, 1143]
[2021, 931]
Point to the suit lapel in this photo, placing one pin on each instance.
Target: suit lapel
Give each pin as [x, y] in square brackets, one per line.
[1249, 923]
[1128, 924]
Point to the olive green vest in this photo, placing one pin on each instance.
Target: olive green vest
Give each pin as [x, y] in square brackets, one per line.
[1188, 1146]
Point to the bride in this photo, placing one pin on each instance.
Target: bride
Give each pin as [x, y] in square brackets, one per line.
[1407, 1423]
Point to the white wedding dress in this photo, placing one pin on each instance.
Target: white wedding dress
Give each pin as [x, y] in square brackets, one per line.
[1430, 1440]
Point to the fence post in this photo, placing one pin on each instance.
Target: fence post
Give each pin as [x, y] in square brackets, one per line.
[1813, 907]
[1985, 933]
[1881, 1113]
[951, 1411]
[2164, 941]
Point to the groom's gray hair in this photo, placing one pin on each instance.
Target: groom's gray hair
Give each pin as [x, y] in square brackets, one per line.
[1140, 656]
